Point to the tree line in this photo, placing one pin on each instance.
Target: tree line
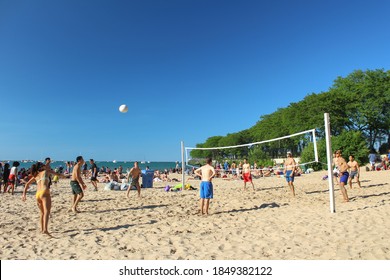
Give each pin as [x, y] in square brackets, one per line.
[360, 120]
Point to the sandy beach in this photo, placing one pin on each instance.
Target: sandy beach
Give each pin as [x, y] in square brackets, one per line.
[265, 224]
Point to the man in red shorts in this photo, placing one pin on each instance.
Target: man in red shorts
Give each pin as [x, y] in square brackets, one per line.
[246, 174]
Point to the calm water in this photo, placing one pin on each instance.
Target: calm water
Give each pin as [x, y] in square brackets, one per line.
[112, 165]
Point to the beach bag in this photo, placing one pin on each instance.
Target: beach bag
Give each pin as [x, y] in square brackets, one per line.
[116, 186]
[124, 187]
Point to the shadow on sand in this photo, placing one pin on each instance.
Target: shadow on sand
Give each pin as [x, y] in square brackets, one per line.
[131, 208]
[119, 227]
[262, 206]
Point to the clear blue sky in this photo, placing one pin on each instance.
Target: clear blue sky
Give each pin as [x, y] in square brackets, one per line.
[188, 70]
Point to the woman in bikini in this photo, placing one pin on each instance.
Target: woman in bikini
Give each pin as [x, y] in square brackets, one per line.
[41, 176]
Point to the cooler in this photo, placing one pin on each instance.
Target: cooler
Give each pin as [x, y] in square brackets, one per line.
[147, 178]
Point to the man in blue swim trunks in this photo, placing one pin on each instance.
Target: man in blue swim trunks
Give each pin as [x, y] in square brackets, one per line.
[344, 175]
[289, 171]
[206, 172]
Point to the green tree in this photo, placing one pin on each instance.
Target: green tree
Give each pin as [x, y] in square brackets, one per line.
[366, 97]
[356, 103]
[349, 142]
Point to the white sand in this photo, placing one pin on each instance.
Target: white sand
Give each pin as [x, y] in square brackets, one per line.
[264, 224]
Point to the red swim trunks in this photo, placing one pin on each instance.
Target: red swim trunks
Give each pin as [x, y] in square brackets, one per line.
[11, 178]
[247, 177]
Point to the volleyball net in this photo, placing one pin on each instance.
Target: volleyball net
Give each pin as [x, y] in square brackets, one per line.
[302, 138]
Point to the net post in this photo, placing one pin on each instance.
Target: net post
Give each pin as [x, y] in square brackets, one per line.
[329, 155]
[315, 145]
[183, 165]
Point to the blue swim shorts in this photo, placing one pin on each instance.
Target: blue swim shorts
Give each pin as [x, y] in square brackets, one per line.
[344, 177]
[288, 176]
[206, 190]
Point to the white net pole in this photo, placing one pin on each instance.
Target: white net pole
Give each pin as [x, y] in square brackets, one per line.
[329, 158]
[183, 166]
[315, 145]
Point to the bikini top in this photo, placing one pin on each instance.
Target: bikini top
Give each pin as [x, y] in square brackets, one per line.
[44, 177]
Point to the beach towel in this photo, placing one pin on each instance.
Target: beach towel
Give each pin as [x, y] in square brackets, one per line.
[107, 187]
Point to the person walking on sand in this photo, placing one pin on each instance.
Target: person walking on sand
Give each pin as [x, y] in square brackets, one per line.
[48, 168]
[134, 175]
[94, 173]
[289, 171]
[77, 184]
[206, 173]
[246, 174]
[344, 175]
[1, 175]
[40, 174]
[13, 177]
[372, 158]
[6, 172]
[354, 169]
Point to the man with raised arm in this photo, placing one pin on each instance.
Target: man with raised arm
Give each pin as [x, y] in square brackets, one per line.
[206, 172]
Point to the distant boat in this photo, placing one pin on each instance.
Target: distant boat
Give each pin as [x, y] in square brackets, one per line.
[142, 162]
[148, 161]
[114, 161]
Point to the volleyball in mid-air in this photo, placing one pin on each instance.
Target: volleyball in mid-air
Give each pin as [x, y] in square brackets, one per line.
[123, 108]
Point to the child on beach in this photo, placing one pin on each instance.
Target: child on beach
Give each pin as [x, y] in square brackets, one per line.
[206, 172]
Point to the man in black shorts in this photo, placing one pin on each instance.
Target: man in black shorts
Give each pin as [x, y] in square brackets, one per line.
[94, 173]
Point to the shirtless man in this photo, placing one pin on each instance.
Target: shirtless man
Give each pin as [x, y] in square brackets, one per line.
[134, 175]
[206, 172]
[343, 169]
[246, 174]
[233, 168]
[77, 184]
[354, 169]
[289, 171]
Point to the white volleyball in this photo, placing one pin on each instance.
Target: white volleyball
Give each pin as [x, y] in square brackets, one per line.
[123, 108]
